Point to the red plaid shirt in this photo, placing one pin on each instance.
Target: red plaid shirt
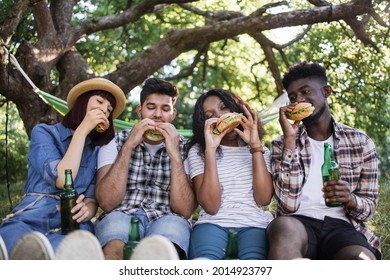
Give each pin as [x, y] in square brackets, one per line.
[357, 158]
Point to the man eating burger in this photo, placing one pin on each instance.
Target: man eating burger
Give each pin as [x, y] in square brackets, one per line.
[141, 173]
[306, 227]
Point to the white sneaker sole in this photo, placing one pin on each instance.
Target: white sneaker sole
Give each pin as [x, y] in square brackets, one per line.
[3, 250]
[155, 247]
[80, 245]
[32, 246]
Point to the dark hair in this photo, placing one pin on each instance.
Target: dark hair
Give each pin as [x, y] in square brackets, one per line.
[76, 115]
[233, 102]
[154, 85]
[304, 70]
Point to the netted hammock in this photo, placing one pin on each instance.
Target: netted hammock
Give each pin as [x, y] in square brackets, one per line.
[268, 114]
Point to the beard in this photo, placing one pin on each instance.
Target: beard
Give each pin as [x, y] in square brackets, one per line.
[313, 118]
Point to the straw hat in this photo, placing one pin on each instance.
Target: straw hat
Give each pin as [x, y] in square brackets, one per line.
[99, 84]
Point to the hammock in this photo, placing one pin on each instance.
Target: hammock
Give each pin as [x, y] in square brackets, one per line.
[60, 105]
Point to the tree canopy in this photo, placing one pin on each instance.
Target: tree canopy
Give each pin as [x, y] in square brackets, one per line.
[242, 45]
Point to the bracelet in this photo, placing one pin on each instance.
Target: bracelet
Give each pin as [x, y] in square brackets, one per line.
[257, 149]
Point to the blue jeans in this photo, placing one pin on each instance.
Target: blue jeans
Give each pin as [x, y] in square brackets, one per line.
[115, 225]
[209, 241]
[42, 217]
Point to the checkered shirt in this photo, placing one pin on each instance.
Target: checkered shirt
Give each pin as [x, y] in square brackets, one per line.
[358, 162]
[148, 182]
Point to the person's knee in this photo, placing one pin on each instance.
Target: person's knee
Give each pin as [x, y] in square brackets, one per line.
[113, 250]
[354, 252]
[285, 227]
[287, 238]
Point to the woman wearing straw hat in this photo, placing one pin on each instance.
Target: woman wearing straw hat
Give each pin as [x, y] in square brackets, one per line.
[71, 144]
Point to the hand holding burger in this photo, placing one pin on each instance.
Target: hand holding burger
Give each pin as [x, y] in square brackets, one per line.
[153, 135]
[301, 110]
[227, 122]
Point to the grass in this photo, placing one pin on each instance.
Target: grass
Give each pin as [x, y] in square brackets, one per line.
[380, 224]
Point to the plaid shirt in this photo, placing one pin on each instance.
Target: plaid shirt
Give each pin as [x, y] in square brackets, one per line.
[149, 179]
[357, 158]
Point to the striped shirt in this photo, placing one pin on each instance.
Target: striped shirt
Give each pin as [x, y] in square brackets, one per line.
[238, 207]
[149, 179]
[357, 158]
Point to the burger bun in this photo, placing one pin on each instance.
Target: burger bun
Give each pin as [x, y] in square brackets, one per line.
[301, 110]
[153, 135]
[101, 127]
[227, 122]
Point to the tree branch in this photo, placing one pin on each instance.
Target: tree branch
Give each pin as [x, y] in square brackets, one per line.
[378, 19]
[44, 24]
[132, 14]
[190, 69]
[179, 41]
[62, 11]
[12, 20]
[262, 10]
[266, 45]
[361, 33]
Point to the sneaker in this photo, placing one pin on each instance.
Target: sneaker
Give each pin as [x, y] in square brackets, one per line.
[32, 246]
[3, 250]
[79, 245]
[155, 247]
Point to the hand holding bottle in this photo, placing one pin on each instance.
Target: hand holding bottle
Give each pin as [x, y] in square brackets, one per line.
[337, 192]
[80, 210]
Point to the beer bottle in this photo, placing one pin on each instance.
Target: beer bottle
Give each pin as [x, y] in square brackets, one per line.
[134, 238]
[330, 171]
[231, 250]
[68, 199]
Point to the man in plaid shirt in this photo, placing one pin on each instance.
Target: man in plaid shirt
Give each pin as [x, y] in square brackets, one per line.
[145, 178]
[305, 226]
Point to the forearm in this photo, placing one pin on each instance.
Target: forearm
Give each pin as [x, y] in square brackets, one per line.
[364, 196]
[92, 207]
[361, 208]
[288, 177]
[72, 158]
[262, 180]
[112, 181]
[208, 192]
[182, 196]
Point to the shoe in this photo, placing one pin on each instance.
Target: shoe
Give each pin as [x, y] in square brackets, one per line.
[32, 246]
[3, 250]
[155, 247]
[79, 245]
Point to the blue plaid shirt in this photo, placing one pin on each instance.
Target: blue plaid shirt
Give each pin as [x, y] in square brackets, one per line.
[358, 162]
[148, 181]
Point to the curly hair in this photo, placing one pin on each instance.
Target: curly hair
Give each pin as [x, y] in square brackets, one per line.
[304, 70]
[233, 102]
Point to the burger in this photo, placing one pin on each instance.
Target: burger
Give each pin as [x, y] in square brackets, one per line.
[101, 127]
[301, 110]
[153, 135]
[227, 122]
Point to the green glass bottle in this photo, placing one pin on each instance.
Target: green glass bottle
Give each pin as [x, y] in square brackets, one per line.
[134, 238]
[68, 199]
[231, 250]
[330, 171]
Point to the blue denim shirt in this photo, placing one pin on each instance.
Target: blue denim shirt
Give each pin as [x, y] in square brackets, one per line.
[47, 147]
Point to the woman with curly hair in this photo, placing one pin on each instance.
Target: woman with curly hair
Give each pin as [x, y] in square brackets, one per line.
[231, 178]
